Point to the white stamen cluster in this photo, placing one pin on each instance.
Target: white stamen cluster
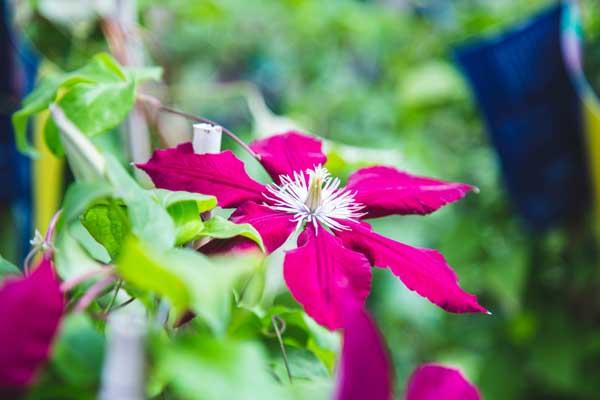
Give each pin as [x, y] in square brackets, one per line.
[318, 200]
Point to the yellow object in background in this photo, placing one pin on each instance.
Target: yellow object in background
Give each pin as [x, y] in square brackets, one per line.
[591, 116]
[571, 42]
[48, 172]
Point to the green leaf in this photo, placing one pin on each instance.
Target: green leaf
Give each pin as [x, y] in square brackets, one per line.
[108, 224]
[303, 332]
[188, 224]
[251, 292]
[70, 257]
[149, 270]
[95, 98]
[35, 102]
[149, 221]
[201, 367]
[167, 198]
[303, 365]
[79, 351]
[212, 283]
[99, 106]
[95, 249]
[7, 268]
[315, 389]
[185, 209]
[81, 195]
[221, 228]
[186, 278]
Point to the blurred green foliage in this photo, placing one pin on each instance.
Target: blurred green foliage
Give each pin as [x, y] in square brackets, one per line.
[369, 74]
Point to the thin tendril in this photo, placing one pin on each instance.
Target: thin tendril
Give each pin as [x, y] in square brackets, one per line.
[114, 297]
[71, 283]
[155, 102]
[276, 321]
[52, 227]
[92, 293]
[28, 259]
[126, 302]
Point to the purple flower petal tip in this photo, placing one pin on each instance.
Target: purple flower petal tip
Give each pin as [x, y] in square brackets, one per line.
[435, 382]
[365, 370]
[423, 270]
[386, 191]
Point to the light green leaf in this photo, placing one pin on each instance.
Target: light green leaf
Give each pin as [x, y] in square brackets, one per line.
[201, 367]
[70, 257]
[185, 209]
[95, 249]
[187, 278]
[108, 224]
[251, 292]
[149, 221]
[307, 334]
[7, 268]
[85, 160]
[188, 224]
[303, 365]
[79, 351]
[167, 198]
[221, 228]
[95, 97]
[315, 389]
[81, 195]
[211, 282]
[149, 270]
[94, 107]
[35, 102]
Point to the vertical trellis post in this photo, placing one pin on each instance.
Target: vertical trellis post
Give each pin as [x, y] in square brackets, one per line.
[123, 373]
[122, 34]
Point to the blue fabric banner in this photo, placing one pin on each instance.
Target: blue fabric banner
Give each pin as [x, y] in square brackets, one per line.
[18, 69]
[533, 115]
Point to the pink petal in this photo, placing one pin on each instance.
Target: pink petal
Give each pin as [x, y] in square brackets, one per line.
[434, 382]
[288, 152]
[321, 274]
[222, 175]
[31, 309]
[386, 191]
[365, 369]
[423, 270]
[274, 228]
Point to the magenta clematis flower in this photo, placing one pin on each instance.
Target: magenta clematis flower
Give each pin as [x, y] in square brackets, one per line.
[365, 370]
[31, 308]
[336, 248]
[434, 382]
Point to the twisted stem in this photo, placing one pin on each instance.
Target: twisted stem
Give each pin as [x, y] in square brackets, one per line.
[153, 101]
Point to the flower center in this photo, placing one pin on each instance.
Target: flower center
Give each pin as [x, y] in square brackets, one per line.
[318, 200]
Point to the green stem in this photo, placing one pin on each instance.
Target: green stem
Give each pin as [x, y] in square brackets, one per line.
[275, 320]
[156, 103]
[114, 297]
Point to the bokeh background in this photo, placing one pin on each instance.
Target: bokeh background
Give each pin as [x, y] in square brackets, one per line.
[378, 80]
